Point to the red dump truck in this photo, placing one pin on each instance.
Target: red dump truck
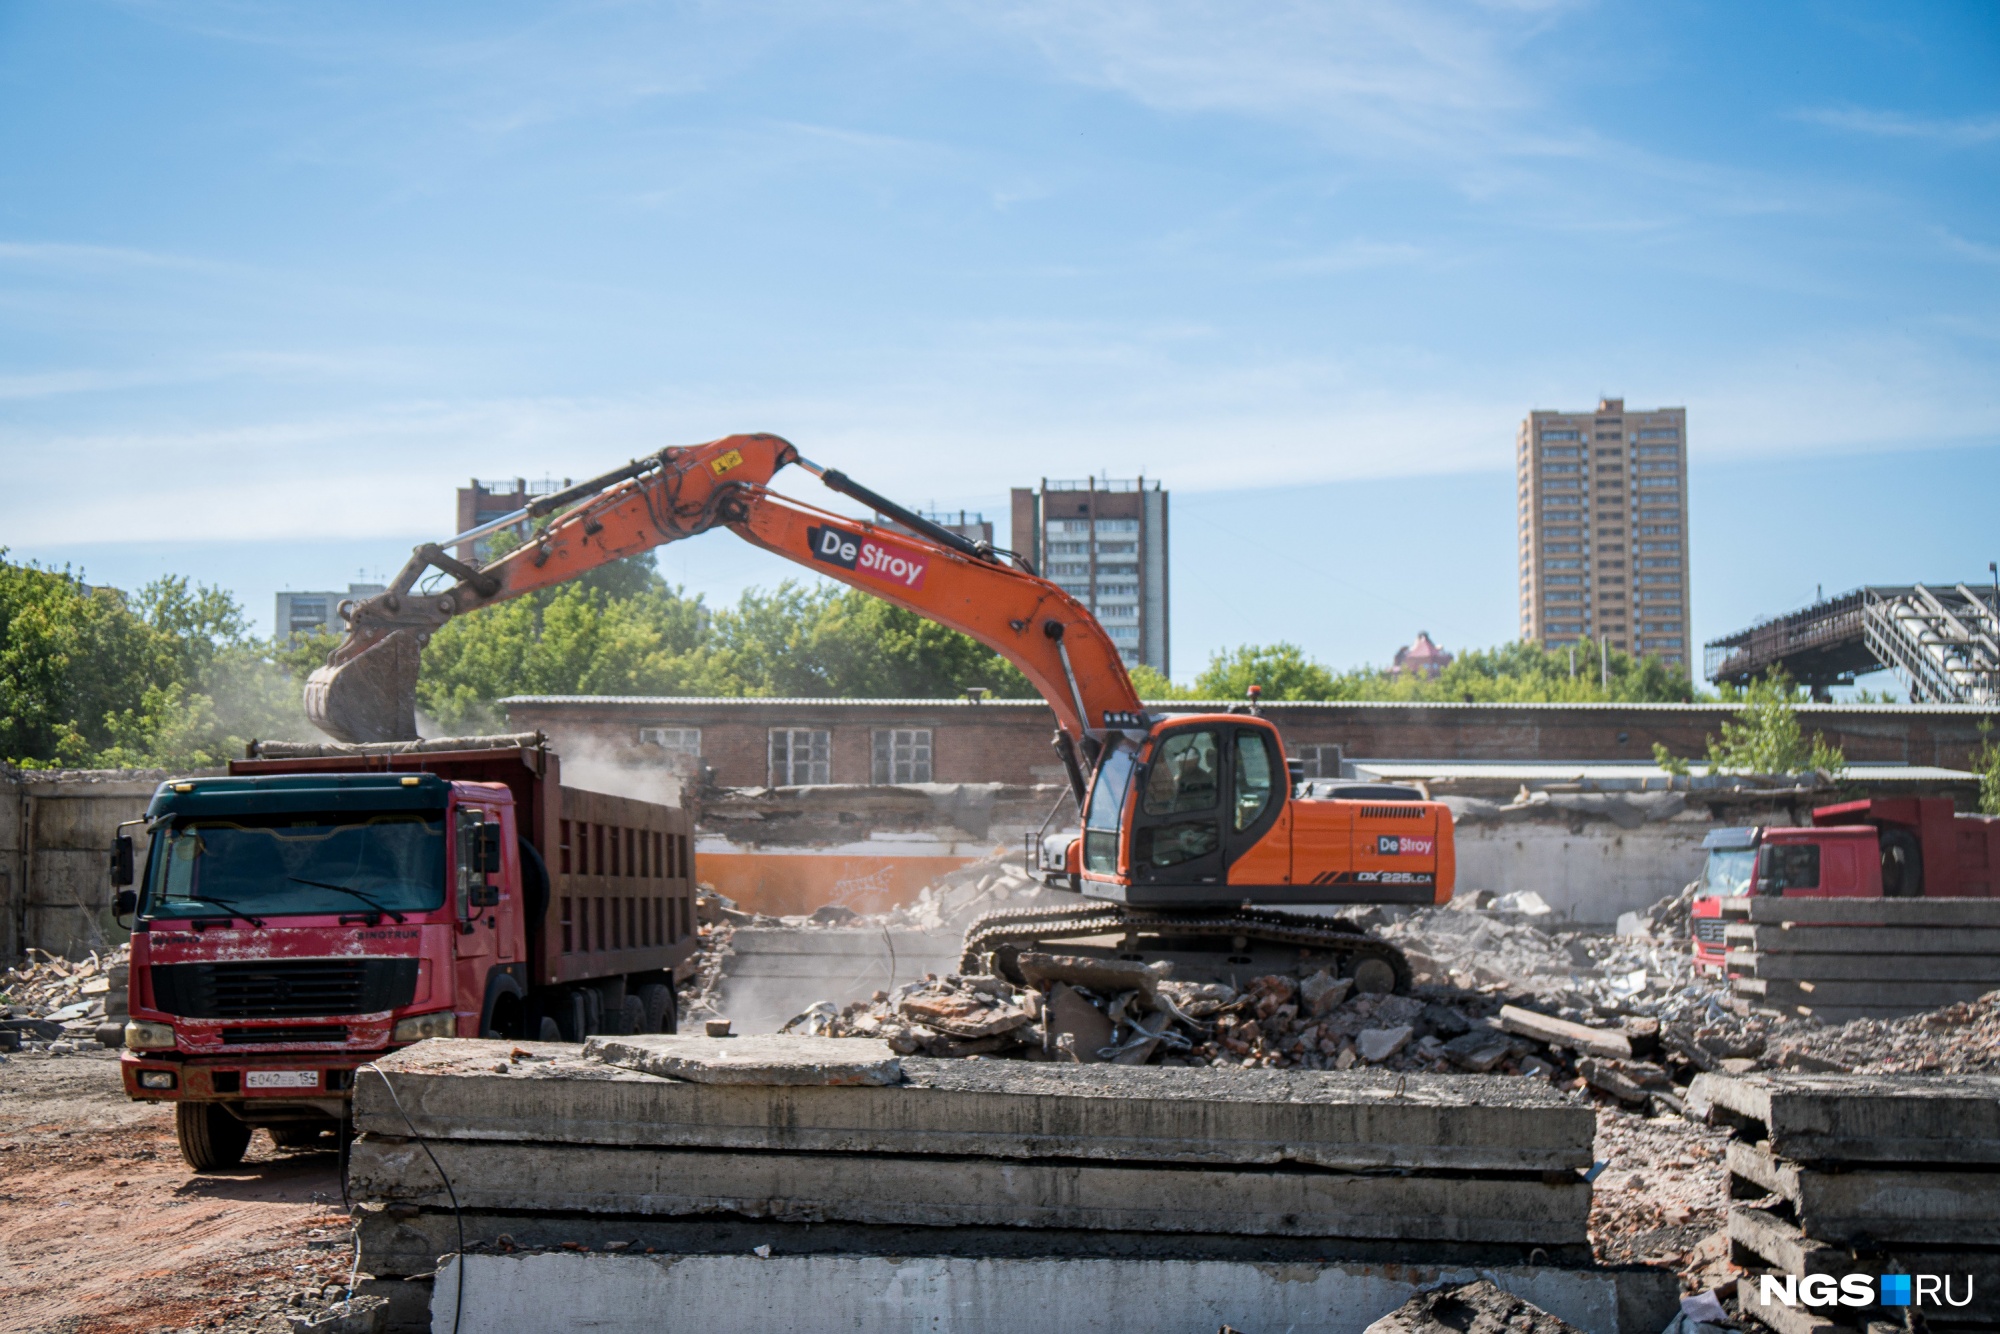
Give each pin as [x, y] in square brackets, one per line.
[322, 905]
[1893, 847]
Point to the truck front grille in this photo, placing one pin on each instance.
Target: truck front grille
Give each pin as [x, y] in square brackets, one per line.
[283, 988]
[1710, 930]
[255, 1037]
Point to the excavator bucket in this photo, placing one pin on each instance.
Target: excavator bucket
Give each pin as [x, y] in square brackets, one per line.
[371, 696]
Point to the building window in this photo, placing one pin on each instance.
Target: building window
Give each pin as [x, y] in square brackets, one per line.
[1559, 435]
[801, 757]
[682, 740]
[307, 615]
[1319, 761]
[903, 755]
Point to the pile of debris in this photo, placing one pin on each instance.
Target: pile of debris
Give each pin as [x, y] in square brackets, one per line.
[1957, 1039]
[56, 1004]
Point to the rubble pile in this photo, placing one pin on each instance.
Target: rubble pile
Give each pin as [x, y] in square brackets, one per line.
[697, 996]
[1957, 1039]
[52, 1003]
[962, 897]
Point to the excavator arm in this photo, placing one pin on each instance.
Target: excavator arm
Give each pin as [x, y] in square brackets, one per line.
[367, 690]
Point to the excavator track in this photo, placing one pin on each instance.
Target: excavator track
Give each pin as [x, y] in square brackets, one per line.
[1202, 945]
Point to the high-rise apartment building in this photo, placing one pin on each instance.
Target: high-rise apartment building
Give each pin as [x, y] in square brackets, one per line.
[1105, 542]
[1602, 509]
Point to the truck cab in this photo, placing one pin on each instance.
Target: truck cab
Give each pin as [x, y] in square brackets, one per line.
[1894, 847]
[287, 929]
[320, 906]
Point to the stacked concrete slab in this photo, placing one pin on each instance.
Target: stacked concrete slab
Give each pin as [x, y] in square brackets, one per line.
[1841, 959]
[962, 1181]
[1863, 1174]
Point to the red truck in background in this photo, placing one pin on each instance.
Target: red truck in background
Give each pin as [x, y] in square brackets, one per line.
[1883, 847]
[323, 905]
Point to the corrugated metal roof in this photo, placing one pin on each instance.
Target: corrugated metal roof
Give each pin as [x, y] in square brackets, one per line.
[1219, 705]
[1557, 771]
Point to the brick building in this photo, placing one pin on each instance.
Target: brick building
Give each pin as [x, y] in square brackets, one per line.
[791, 742]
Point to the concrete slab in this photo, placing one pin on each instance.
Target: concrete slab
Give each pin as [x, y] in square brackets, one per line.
[1864, 995]
[787, 1059]
[1864, 912]
[625, 1294]
[1859, 1207]
[402, 1241]
[1779, 1245]
[1940, 1119]
[1782, 939]
[1874, 966]
[1006, 1109]
[978, 1192]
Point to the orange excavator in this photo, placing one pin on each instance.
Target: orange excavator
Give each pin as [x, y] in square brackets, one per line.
[1187, 819]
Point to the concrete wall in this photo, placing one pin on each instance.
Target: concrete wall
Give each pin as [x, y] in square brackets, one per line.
[753, 1294]
[1007, 741]
[56, 828]
[1588, 873]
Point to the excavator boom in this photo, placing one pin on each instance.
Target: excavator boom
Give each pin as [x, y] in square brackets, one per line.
[1185, 818]
[367, 691]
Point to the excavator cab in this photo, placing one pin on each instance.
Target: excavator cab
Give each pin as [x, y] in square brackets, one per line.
[1169, 818]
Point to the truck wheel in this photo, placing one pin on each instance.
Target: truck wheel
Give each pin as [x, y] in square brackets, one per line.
[575, 1012]
[210, 1138]
[662, 1010]
[632, 1018]
[1902, 865]
[551, 1030]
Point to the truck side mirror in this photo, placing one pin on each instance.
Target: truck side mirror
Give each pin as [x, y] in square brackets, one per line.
[125, 903]
[121, 861]
[489, 849]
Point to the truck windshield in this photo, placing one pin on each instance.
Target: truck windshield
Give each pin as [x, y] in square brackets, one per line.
[1727, 874]
[274, 865]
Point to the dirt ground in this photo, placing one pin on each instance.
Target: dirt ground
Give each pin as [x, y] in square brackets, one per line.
[1663, 1196]
[104, 1230]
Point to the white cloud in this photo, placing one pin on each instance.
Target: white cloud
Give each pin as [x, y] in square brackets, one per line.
[1380, 79]
[1963, 132]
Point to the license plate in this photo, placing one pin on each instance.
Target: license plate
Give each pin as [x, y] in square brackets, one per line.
[281, 1079]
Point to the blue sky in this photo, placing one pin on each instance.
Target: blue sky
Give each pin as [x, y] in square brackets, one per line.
[274, 279]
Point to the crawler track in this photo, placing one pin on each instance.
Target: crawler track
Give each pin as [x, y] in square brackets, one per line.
[1212, 942]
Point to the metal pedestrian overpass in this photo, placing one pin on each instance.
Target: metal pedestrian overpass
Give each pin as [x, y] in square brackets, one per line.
[1944, 642]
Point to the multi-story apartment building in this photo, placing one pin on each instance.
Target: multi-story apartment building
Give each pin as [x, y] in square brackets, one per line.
[305, 613]
[483, 502]
[1105, 542]
[1602, 510]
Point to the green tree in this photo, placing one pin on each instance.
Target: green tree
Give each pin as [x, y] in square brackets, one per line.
[1283, 670]
[1150, 683]
[626, 632]
[168, 677]
[1986, 762]
[631, 633]
[1765, 737]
